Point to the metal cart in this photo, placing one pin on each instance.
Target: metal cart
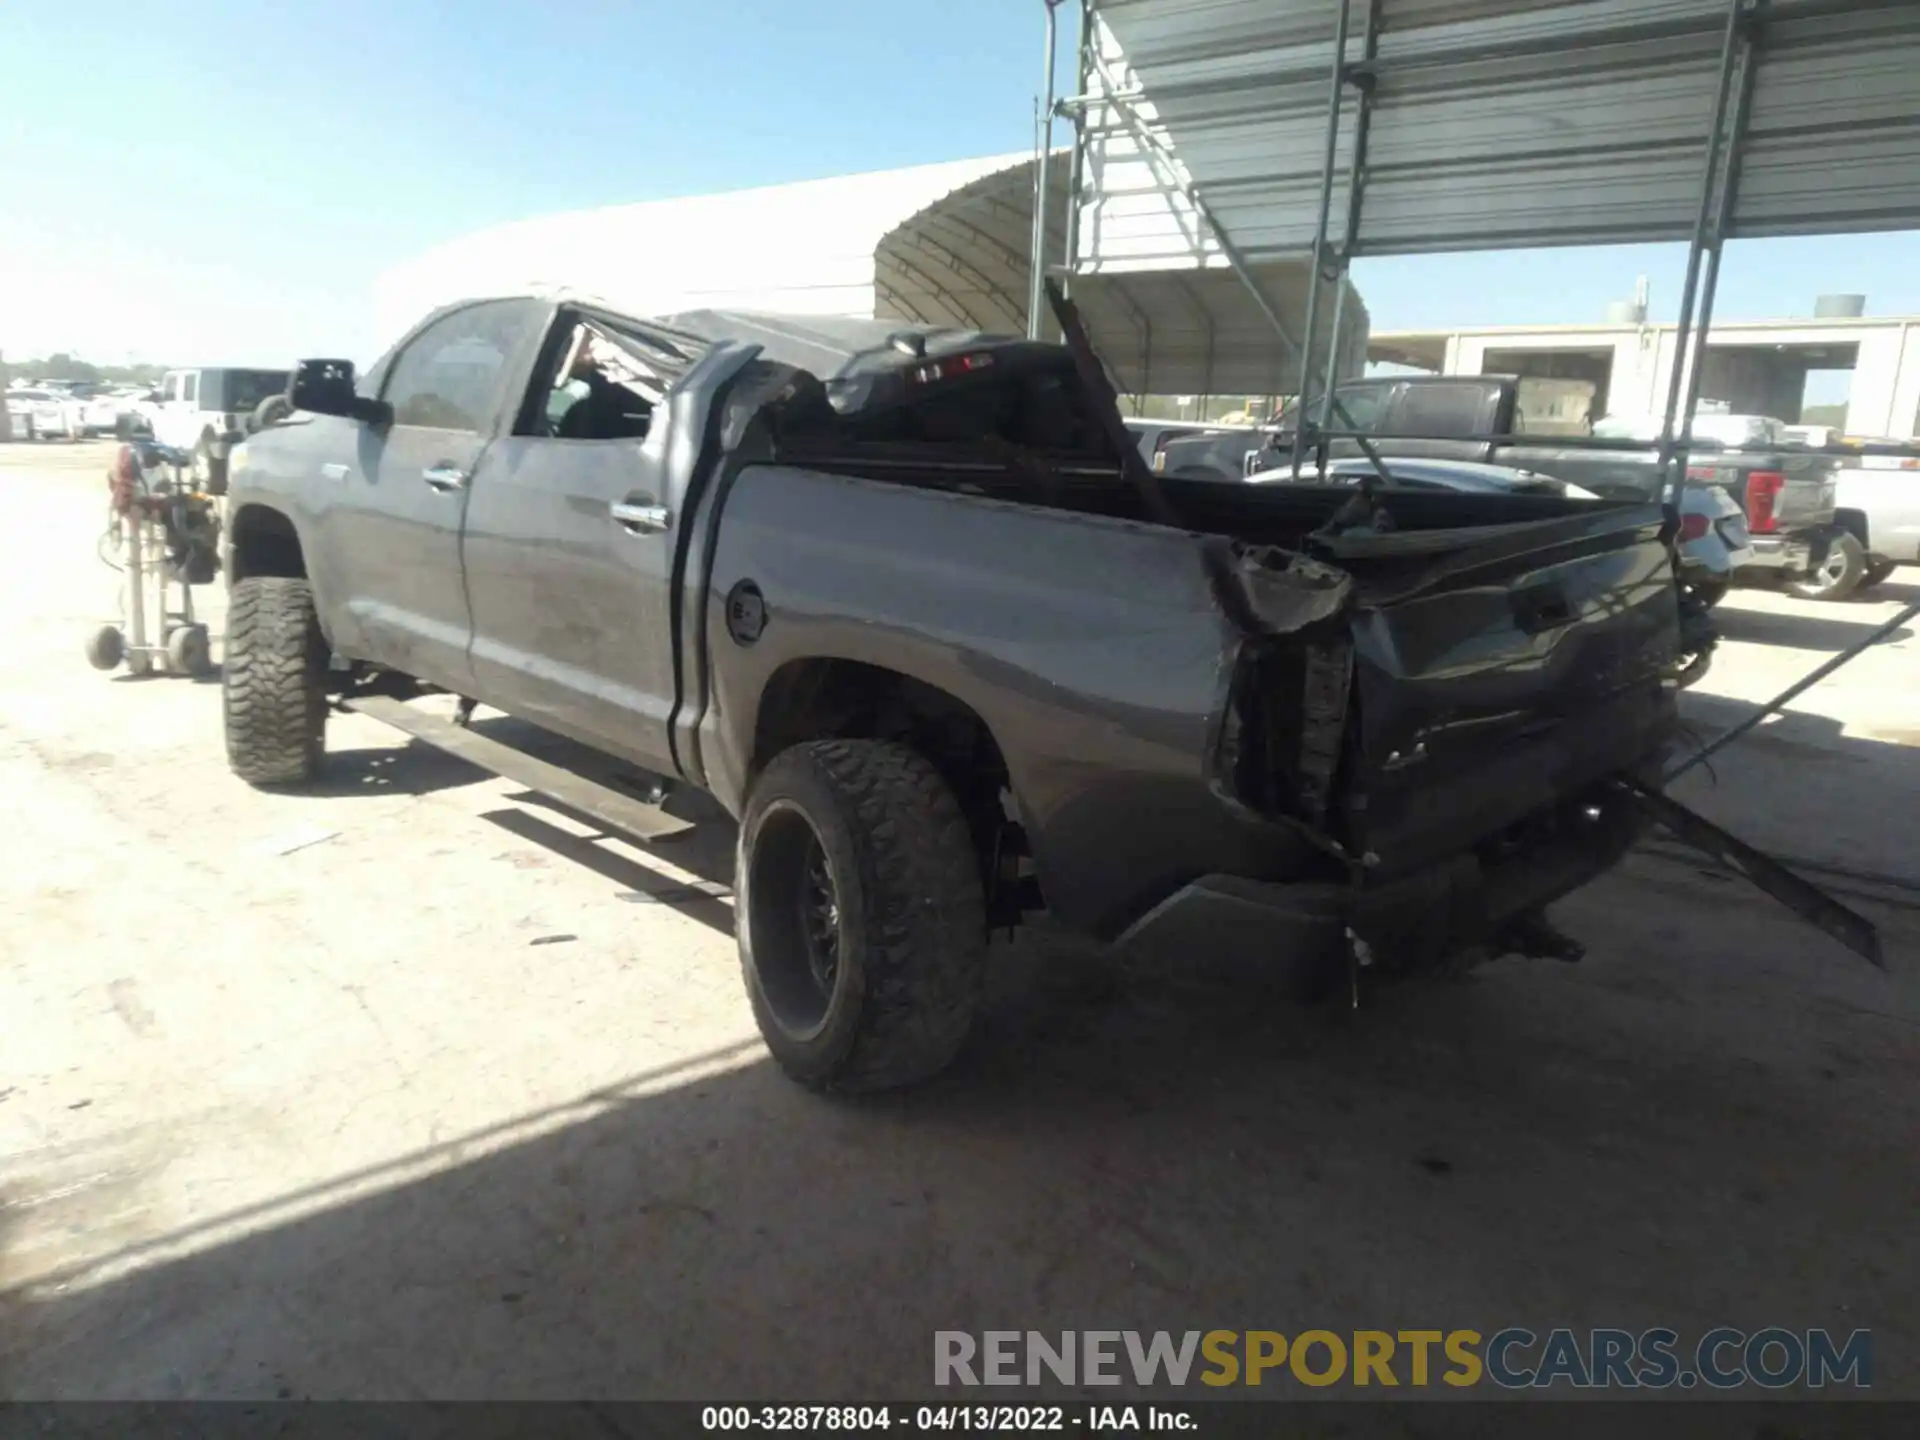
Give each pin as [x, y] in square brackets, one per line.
[163, 536]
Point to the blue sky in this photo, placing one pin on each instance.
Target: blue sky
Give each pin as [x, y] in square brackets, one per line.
[216, 180]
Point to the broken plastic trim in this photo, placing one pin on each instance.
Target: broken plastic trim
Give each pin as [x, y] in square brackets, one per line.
[1285, 591]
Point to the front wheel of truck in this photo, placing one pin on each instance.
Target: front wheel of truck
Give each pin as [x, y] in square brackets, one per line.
[861, 915]
[273, 681]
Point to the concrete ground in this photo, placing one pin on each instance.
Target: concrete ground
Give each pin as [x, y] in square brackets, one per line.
[412, 1086]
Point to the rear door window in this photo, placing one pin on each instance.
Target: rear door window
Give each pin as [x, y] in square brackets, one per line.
[239, 391]
[602, 377]
[1438, 410]
[1366, 406]
[1363, 404]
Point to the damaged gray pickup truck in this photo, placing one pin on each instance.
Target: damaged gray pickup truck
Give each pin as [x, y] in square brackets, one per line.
[908, 604]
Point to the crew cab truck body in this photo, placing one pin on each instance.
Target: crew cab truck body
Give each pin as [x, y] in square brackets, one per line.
[899, 603]
[1786, 496]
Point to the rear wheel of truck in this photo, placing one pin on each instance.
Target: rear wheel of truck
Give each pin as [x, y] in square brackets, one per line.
[861, 916]
[273, 683]
[1838, 576]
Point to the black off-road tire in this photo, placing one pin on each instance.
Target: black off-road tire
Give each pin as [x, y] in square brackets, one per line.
[274, 682]
[909, 915]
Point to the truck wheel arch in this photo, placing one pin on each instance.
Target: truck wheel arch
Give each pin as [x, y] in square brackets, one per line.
[825, 698]
[264, 541]
[1854, 522]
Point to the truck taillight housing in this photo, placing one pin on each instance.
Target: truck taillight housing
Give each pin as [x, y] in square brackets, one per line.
[956, 365]
[1763, 494]
[1693, 527]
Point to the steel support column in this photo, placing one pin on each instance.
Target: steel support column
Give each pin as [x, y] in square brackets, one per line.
[1037, 258]
[1363, 80]
[1336, 89]
[1076, 165]
[1726, 195]
[1731, 47]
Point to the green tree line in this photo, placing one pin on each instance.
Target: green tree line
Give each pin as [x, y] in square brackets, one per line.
[62, 366]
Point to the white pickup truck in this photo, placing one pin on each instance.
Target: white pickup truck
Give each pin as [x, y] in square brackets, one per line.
[1878, 500]
[205, 413]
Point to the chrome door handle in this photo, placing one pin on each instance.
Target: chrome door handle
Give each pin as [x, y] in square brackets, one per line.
[445, 478]
[639, 519]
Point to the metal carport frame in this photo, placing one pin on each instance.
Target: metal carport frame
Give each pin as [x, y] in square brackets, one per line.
[1808, 97]
[1607, 121]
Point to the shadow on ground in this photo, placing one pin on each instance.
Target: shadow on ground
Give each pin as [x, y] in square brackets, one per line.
[1801, 785]
[1796, 632]
[1902, 589]
[409, 769]
[1710, 1122]
[416, 768]
[1542, 1146]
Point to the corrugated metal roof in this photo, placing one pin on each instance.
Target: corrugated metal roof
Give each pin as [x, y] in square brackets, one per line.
[1497, 123]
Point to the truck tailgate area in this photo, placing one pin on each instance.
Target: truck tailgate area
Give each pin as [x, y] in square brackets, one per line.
[1507, 685]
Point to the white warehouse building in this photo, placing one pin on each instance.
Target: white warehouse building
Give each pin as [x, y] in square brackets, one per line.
[1758, 367]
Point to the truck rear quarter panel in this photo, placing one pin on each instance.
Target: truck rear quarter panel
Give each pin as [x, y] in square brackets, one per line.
[1092, 648]
[1888, 498]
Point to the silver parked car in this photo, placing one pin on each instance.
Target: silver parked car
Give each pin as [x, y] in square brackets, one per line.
[44, 414]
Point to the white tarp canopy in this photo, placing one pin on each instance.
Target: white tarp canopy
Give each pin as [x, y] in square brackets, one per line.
[943, 244]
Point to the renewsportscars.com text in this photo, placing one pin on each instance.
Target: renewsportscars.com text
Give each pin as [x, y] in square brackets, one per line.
[1513, 1358]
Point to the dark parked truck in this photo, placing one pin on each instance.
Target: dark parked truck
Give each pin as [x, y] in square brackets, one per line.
[909, 605]
[1787, 495]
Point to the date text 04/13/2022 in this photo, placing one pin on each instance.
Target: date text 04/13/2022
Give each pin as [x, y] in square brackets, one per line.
[990, 1419]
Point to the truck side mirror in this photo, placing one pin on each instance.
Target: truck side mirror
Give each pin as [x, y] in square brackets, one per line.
[325, 387]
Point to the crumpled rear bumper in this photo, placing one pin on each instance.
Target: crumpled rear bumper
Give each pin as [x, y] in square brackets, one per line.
[1469, 903]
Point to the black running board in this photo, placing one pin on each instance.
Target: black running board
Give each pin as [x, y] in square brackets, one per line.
[601, 803]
